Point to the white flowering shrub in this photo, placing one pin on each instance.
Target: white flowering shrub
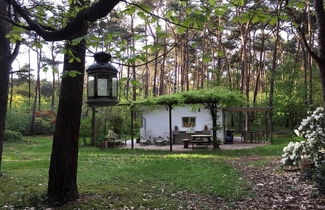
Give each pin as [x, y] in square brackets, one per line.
[312, 129]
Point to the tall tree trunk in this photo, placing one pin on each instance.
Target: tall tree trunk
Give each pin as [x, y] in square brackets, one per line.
[32, 123]
[309, 60]
[4, 72]
[213, 108]
[319, 8]
[29, 78]
[134, 76]
[154, 89]
[162, 69]
[260, 66]
[38, 82]
[62, 185]
[305, 68]
[176, 69]
[273, 68]
[11, 88]
[53, 77]
[146, 77]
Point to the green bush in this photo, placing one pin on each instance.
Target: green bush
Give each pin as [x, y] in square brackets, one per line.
[12, 136]
[43, 127]
[319, 176]
[18, 120]
[85, 127]
[44, 122]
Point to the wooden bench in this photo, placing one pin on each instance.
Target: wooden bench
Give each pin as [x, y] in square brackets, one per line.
[200, 143]
[114, 143]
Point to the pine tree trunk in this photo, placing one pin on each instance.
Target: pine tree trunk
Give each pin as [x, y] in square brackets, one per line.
[62, 185]
[11, 88]
[4, 72]
[38, 83]
[260, 67]
[309, 60]
[273, 70]
[162, 70]
[146, 77]
[53, 78]
[319, 8]
[29, 78]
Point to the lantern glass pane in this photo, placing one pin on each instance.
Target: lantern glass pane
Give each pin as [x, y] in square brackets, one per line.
[102, 87]
[114, 87]
[91, 83]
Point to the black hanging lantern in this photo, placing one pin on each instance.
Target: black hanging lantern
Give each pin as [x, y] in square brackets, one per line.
[102, 88]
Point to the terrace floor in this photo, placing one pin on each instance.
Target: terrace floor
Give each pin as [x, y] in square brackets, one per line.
[180, 148]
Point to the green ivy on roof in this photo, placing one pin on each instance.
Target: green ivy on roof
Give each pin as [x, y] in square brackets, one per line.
[222, 97]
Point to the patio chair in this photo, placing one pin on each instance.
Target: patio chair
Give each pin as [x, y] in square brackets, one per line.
[161, 141]
[229, 139]
[243, 136]
[146, 141]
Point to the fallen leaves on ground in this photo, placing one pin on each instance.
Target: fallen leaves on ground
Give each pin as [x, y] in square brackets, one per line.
[273, 189]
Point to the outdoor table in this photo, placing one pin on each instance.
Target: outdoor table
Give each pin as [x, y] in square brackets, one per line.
[254, 135]
[186, 141]
[197, 139]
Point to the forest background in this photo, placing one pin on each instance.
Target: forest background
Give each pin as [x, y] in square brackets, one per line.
[263, 49]
[164, 47]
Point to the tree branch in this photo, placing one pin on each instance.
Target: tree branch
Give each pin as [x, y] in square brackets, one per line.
[14, 53]
[96, 11]
[14, 23]
[18, 71]
[320, 13]
[157, 16]
[302, 35]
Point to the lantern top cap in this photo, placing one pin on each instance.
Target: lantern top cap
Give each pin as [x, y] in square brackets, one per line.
[102, 57]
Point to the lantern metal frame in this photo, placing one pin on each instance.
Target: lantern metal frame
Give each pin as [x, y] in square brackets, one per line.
[102, 82]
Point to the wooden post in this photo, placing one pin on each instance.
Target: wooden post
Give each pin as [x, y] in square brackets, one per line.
[266, 126]
[170, 128]
[271, 126]
[132, 127]
[105, 126]
[224, 124]
[93, 126]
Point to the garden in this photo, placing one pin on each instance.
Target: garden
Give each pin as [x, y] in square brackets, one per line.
[60, 109]
[135, 179]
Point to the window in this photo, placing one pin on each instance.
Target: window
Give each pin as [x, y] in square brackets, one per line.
[188, 122]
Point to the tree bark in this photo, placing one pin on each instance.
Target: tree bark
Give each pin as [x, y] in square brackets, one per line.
[4, 72]
[260, 66]
[53, 77]
[320, 13]
[274, 59]
[213, 107]
[162, 81]
[62, 185]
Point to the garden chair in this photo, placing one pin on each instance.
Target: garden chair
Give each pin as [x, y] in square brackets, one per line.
[161, 141]
[229, 139]
[146, 141]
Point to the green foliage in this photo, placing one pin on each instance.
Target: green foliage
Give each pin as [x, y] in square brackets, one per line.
[221, 96]
[18, 120]
[85, 127]
[71, 73]
[15, 34]
[290, 104]
[319, 176]
[12, 136]
[44, 122]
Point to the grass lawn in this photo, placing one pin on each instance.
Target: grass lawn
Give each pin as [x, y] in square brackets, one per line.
[117, 178]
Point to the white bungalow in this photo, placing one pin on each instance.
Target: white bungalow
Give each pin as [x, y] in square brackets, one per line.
[185, 122]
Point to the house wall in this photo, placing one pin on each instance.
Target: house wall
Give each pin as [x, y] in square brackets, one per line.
[156, 122]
